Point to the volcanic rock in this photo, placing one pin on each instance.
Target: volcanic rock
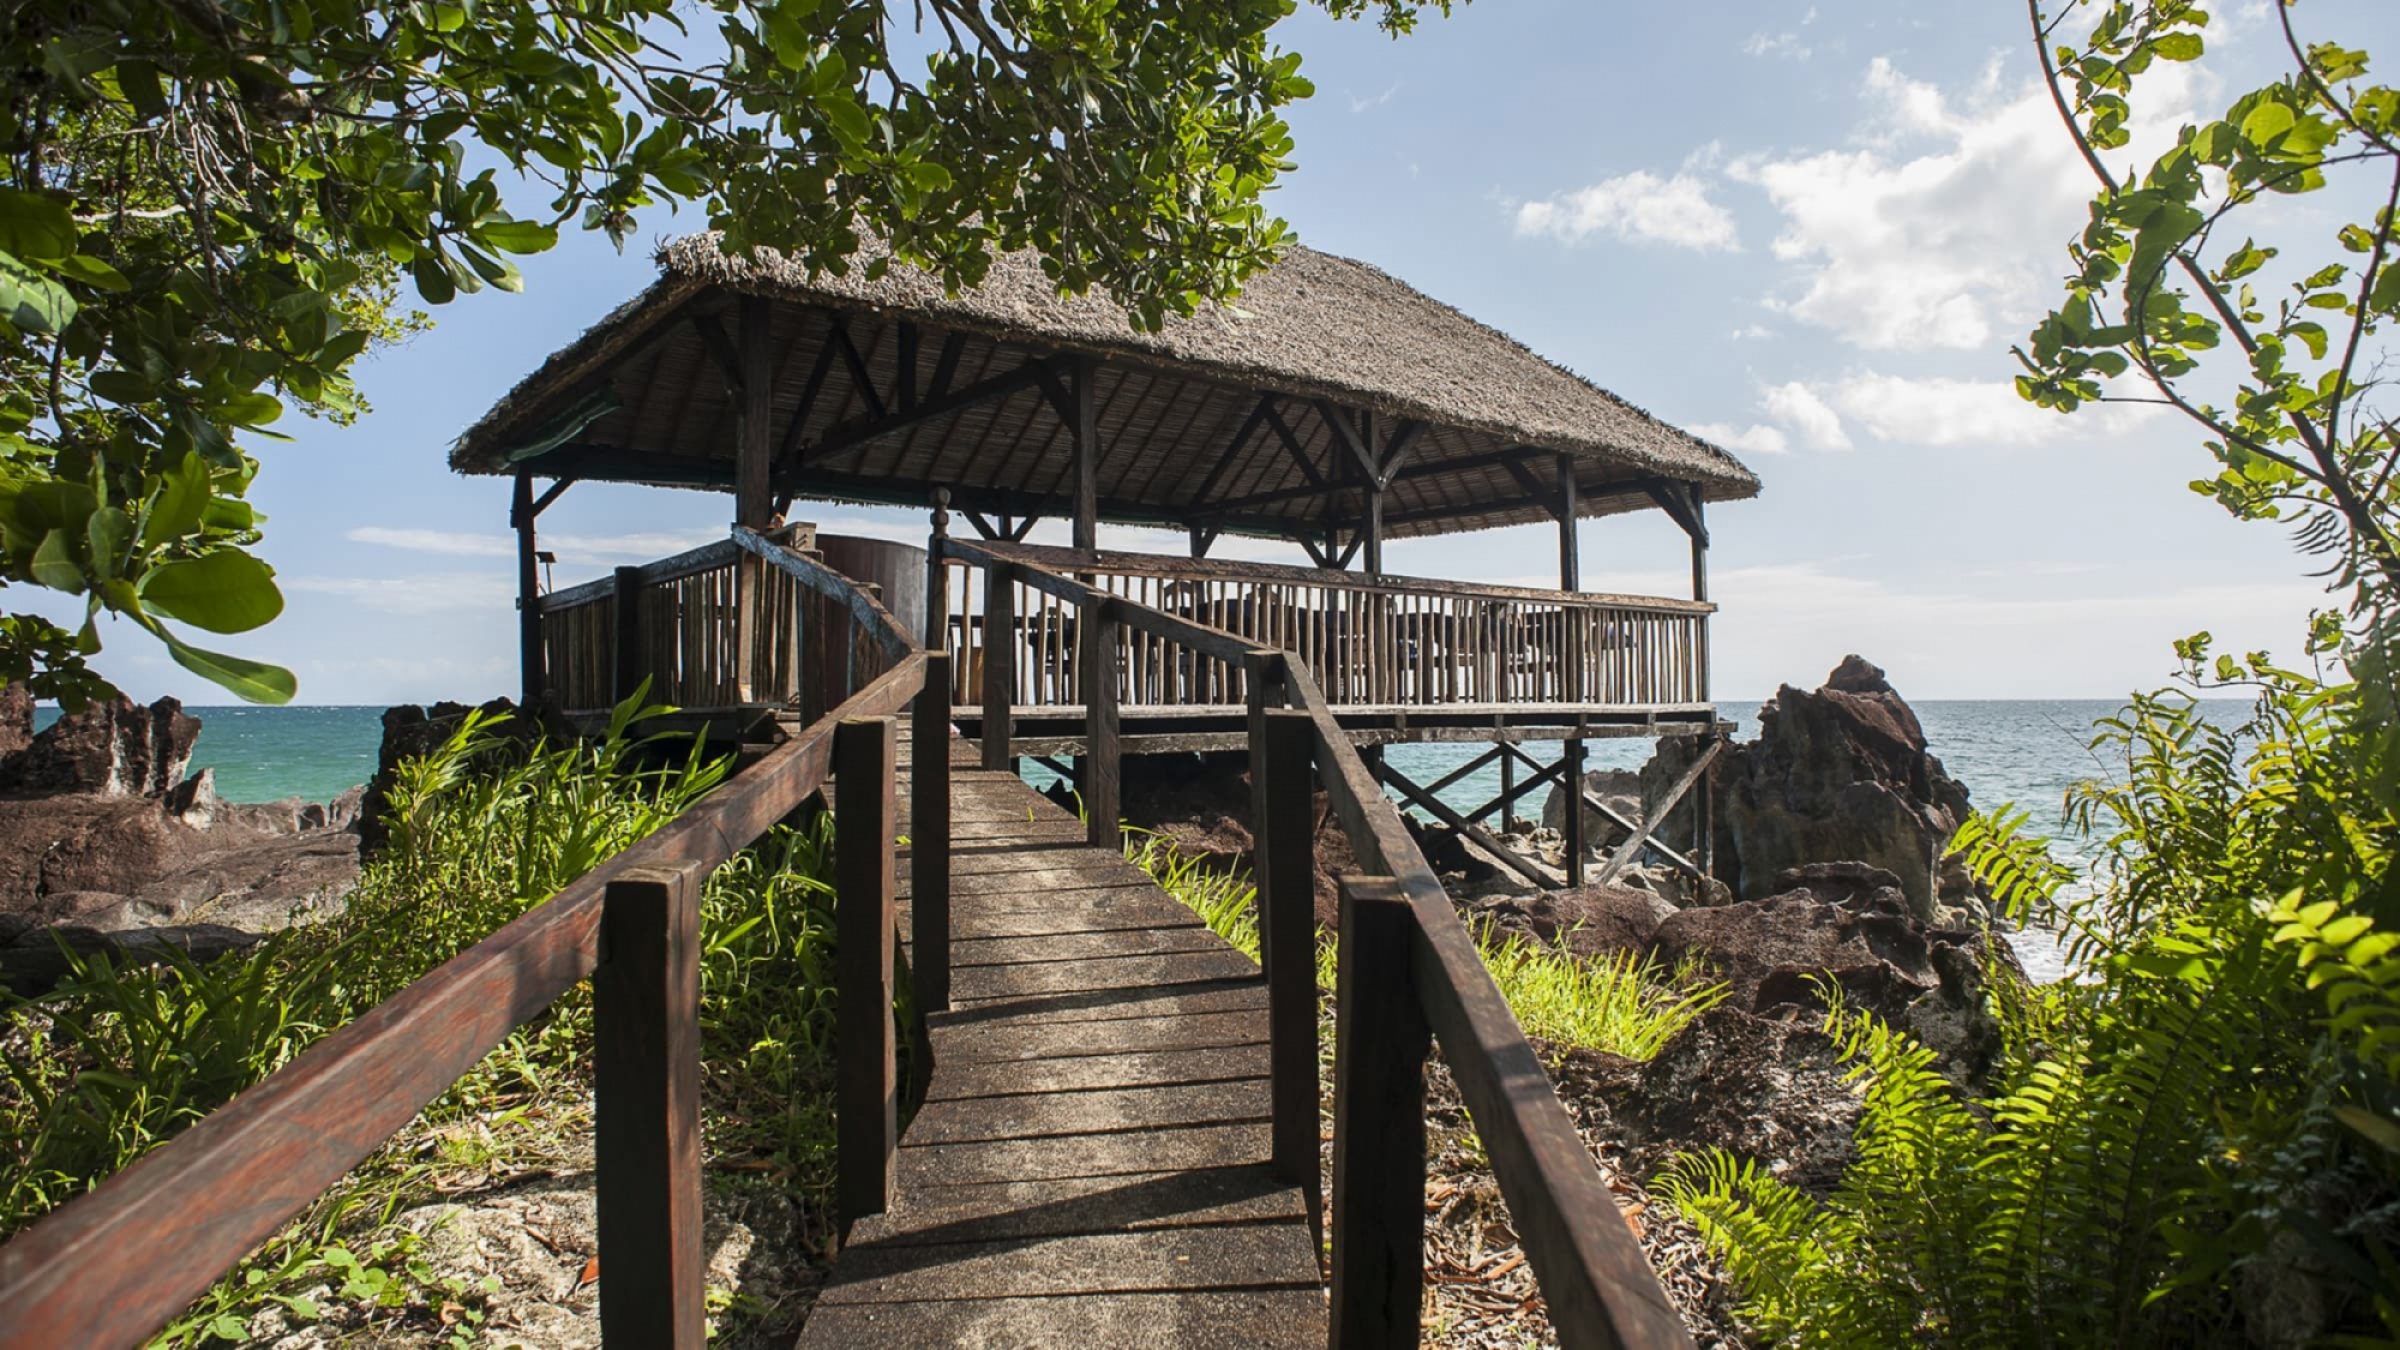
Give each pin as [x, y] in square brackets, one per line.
[1619, 789]
[114, 748]
[1593, 921]
[1840, 774]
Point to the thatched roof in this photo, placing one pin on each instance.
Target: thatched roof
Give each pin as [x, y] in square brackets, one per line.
[642, 397]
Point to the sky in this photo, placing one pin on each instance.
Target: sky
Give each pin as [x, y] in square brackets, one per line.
[1808, 233]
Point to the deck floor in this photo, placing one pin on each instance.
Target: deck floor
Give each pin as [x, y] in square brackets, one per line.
[1090, 1162]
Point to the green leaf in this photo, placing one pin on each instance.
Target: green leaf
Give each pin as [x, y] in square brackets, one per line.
[35, 227]
[2266, 122]
[433, 279]
[54, 564]
[175, 511]
[519, 236]
[111, 532]
[2178, 46]
[227, 591]
[252, 681]
[91, 271]
[31, 300]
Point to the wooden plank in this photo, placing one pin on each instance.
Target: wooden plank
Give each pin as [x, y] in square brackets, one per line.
[1490, 843]
[999, 657]
[1087, 1263]
[867, 1100]
[1094, 1111]
[1098, 1005]
[1288, 905]
[1072, 947]
[1102, 649]
[1380, 1047]
[1161, 973]
[1084, 1072]
[1005, 1210]
[929, 838]
[976, 1043]
[1245, 1319]
[646, 1131]
[1160, 1150]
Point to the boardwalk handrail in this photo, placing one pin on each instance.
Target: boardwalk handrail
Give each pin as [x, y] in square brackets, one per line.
[1598, 1285]
[115, 1264]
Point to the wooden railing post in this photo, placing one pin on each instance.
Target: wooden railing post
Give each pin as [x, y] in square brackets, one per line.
[929, 838]
[646, 1063]
[866, 1094]
[1380, 1043]
[999, 664]
[937, 578]
[1097, 673]
[625, 634]
[1287, 900]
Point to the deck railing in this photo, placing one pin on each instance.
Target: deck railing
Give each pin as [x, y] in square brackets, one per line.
[111, 1267]
[1409, 976]
[1374, 640]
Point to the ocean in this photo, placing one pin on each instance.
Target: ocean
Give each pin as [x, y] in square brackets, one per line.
[2021, 752]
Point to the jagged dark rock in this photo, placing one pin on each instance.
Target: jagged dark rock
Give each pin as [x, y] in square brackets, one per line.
[1594, 921]
[35, 960]
[411, 731]
[1838, 774]
[116, 748]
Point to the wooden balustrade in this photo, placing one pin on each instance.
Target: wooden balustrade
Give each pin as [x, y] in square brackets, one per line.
[1374, 640]
[1409, 976]
[111, 1267]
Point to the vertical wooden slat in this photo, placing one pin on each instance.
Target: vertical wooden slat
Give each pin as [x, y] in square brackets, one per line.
[1287, 902]
[929, 838]
[1380, 1045]
[625, 624]
[999, 665]
[646, 1062]
[529, 591]
[867, 1096]
[1098, 627]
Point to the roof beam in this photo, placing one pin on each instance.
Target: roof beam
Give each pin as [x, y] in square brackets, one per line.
[720, 348]
[857, 361]
[1681, 501]
[1347, 435]
[945, 366]
[1489, 460]
[854, 436]
[1291, 443]
[1233, 448]
[817, 373]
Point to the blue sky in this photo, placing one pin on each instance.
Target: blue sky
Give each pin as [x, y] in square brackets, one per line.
[1810, 233]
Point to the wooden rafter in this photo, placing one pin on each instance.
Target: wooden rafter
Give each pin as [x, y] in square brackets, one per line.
[856, 360]
[842, 441]
[945, 366]
[1292, 446]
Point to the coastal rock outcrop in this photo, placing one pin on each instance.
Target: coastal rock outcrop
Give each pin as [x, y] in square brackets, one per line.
[107, 846]
[1837, 774]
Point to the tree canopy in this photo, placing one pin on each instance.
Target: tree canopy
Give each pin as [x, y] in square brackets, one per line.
[211, 209]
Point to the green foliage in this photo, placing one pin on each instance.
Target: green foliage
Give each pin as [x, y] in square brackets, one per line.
[208, 209]
[2211, 1112]
[1624, 1004]
[2170, 289]
[116, 1061]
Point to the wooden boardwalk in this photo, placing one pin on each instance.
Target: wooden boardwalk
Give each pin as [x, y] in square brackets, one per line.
[1090, 1162]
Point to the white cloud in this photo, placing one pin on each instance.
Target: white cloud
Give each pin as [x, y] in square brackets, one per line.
[1752, 332]
[1638, 206]
[1758, 438]
[442, 594]
[1944, 223]
[572, 549]
[1785, 45]
[1796, 405]
[1940, 411]
[1360, 105]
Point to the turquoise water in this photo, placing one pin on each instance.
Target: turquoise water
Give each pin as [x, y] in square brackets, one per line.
[265, 754]
[2025, 752]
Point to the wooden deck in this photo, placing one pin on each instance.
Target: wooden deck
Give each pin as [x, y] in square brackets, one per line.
[1090, 1162]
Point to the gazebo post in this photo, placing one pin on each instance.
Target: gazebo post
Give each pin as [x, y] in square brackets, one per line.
[1570, 578]
[529, 598]
[753, 482]
[1087, 456]
[1374, 512]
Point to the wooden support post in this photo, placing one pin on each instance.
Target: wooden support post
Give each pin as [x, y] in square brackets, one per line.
[1096, 671]
[1632, 847]
[1571, 773]
[1508, 793]
[625, 622]
[1262, 688]
[753, 484]
[1570, 559]
[929, 838]
[530, 661]
[1368, 461]
[1087, 454]
[867, 1089]
[646, 1063]
[937, 580]
[1287, 902]
[1699, 546]
[1442, 811]
[999, 664]
[1380, 1042]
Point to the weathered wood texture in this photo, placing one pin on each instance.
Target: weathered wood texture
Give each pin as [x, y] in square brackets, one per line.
[867, 1087]
[1380, 1046]
[111, 1267]
[646, 1066]
[1092, 1163]
[1370, 639]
